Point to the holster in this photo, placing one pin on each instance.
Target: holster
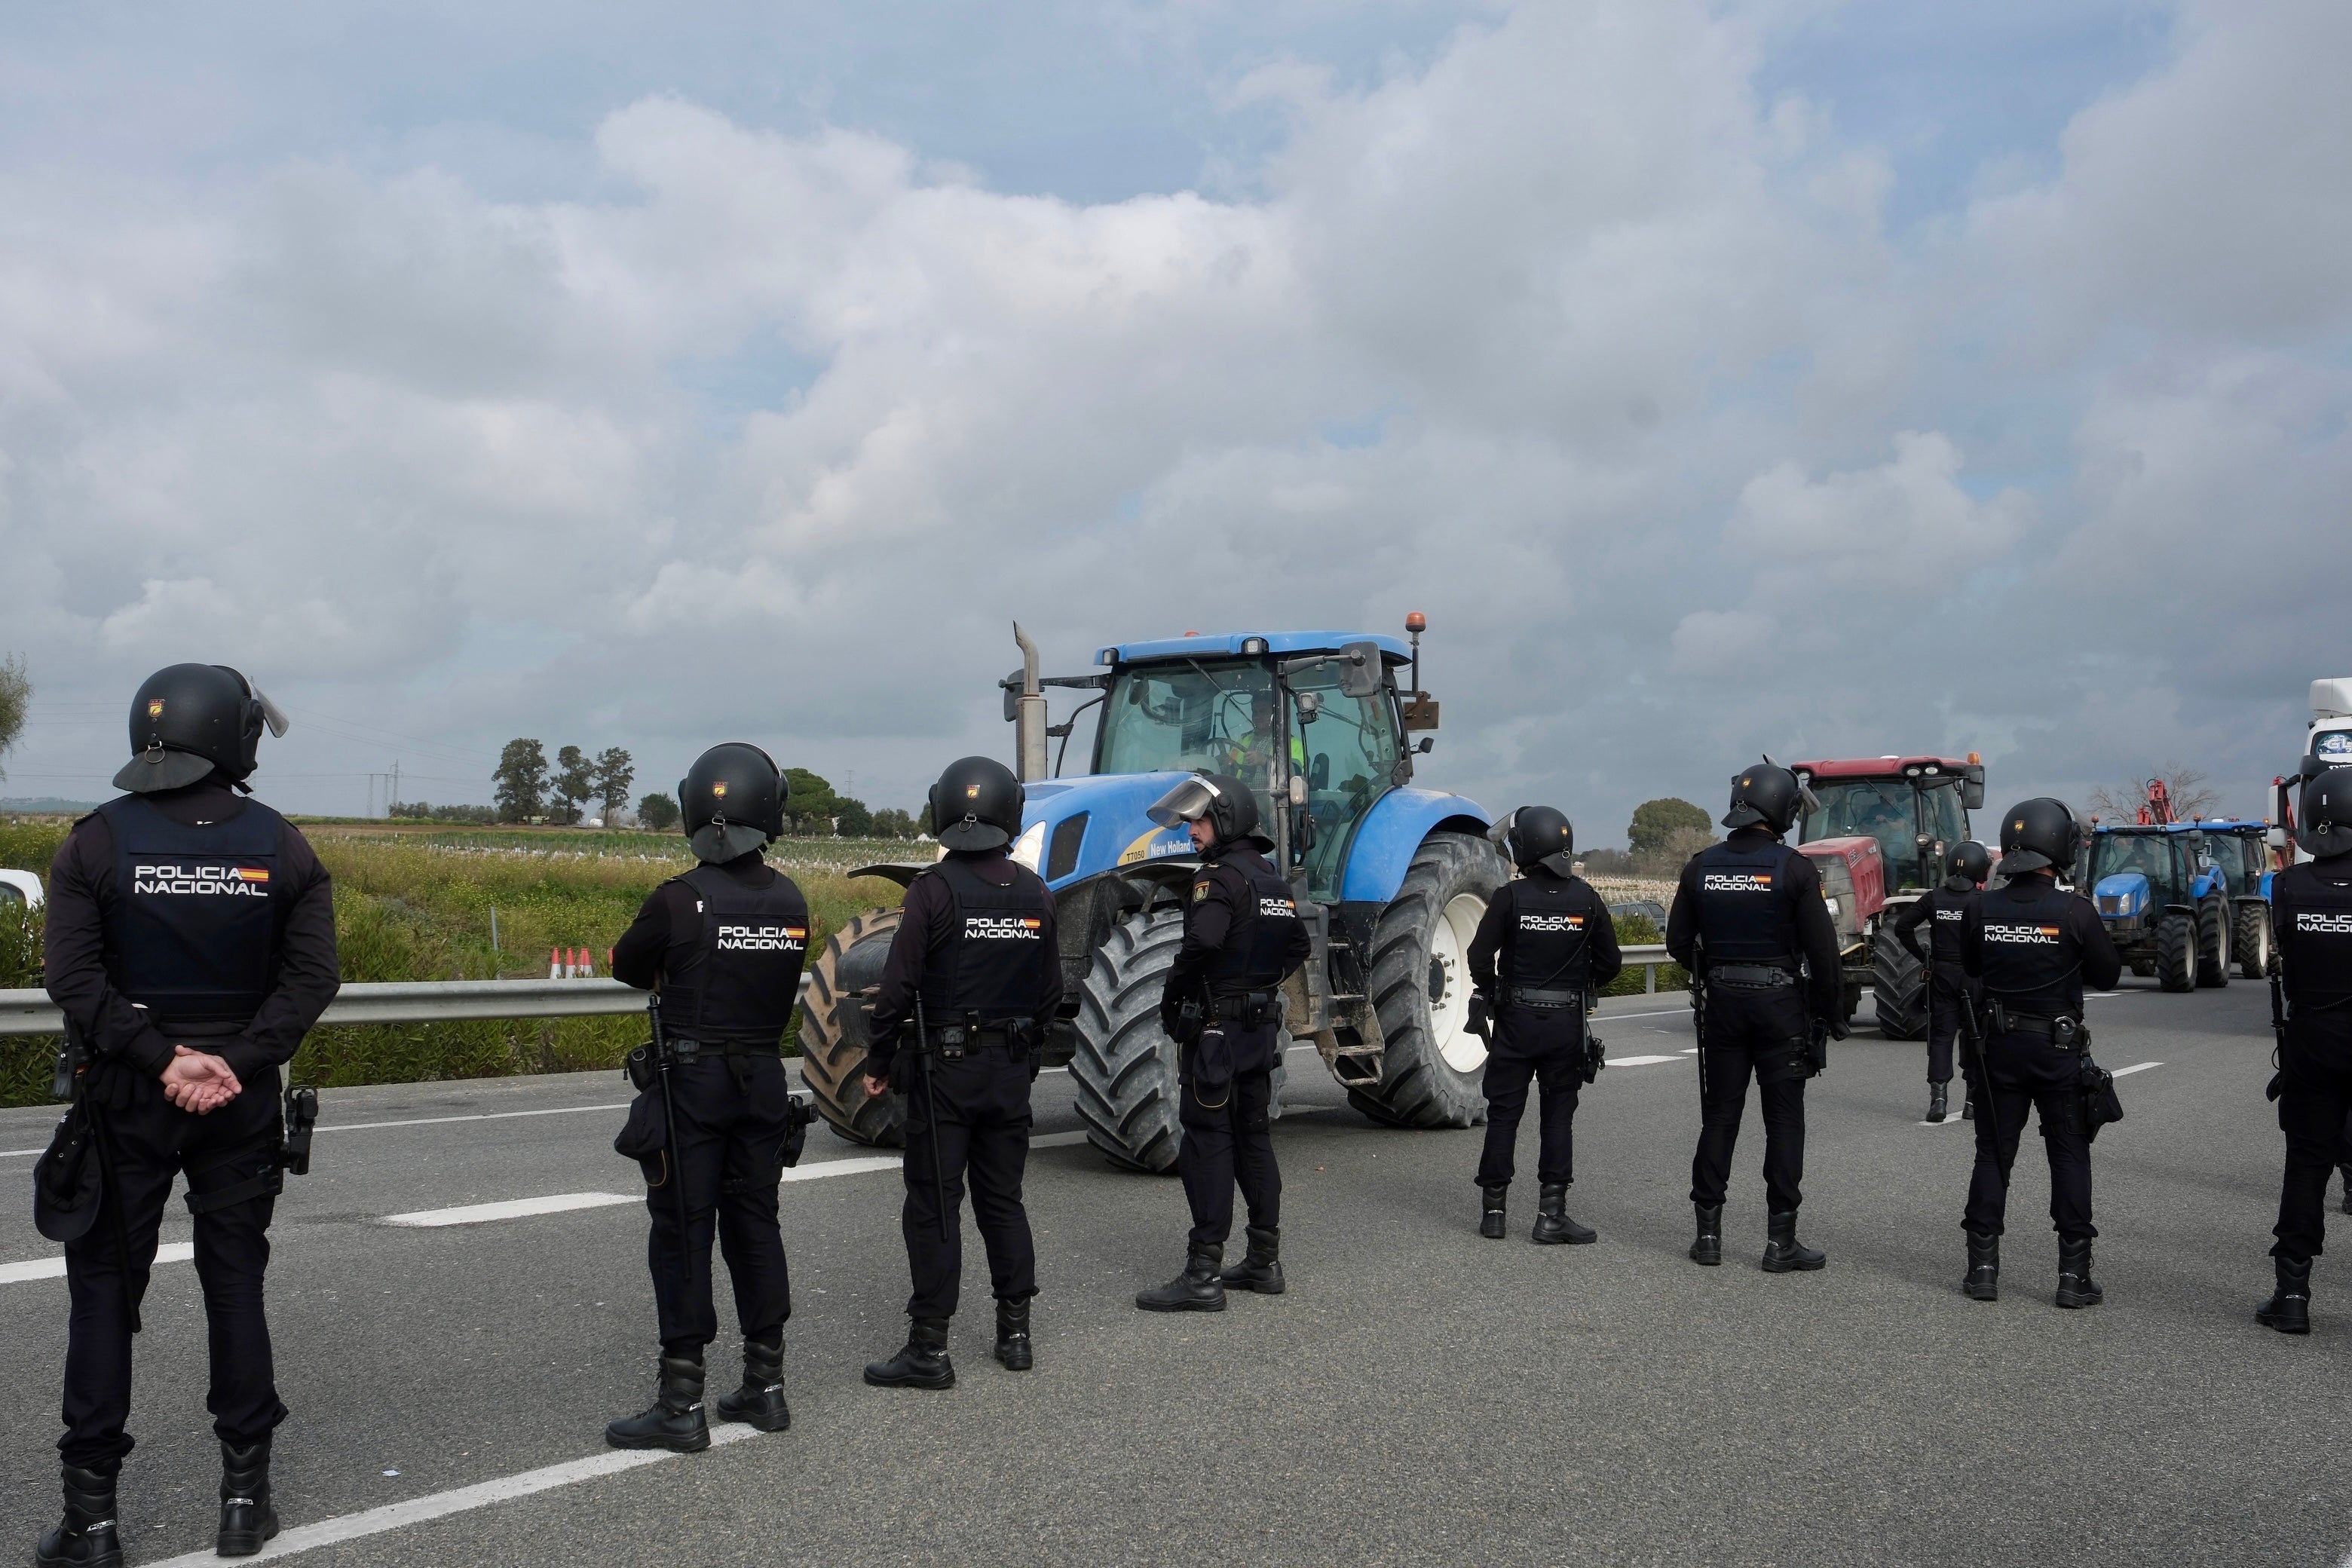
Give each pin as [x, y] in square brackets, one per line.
[1212, 1068]
[1791, 1060]
[1595, 1058]
[1481, 1018]
[2101, 1104]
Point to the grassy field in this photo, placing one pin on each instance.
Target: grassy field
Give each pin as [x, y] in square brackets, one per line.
[417, 905]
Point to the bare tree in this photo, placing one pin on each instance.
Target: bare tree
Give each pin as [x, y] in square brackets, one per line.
[2192, 795]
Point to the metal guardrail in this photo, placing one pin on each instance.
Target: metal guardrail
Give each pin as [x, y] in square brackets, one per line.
[450, 1001]
[406, 1002]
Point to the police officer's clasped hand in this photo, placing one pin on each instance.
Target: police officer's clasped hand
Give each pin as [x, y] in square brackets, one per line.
[876, 1088]
[198, 1082]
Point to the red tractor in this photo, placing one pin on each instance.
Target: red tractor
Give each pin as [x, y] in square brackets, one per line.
[1912, 810]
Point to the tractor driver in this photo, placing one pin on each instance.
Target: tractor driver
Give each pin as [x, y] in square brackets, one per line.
[1222, 1005]
[1749, 924]
[1252, 757]
[1945, 908]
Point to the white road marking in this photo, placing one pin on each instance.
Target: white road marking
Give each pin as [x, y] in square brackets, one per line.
[2137, 1067]
[484, 1116]
[514, 1208]
[440, 1505]
[19, 1153]
[1057, 1140]
[55, 1268]
[850, 1167]
[1640, 1061]
[1662, 1012]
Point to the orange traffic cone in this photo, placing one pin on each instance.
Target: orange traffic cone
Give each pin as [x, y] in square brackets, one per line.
[555, 963]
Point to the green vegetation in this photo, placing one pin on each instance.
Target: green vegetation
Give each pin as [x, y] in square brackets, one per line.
[15, 701]
[416, 905]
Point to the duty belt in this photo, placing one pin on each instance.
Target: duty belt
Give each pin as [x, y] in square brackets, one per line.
[2043, 1029]
[1249, 1007]
[687, 1050]
[1749, 976]
[953, 1042]
[1530, 997]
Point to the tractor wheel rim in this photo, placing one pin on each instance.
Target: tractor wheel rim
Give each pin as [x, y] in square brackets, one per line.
[1449, 983]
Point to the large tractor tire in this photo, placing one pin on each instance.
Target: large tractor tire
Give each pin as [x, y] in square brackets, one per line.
[2252, 940]
[1431, 1070]
[2213, 942]
[832, 1033]
[1125, 1065]
[1898, 988]
[2176, 952]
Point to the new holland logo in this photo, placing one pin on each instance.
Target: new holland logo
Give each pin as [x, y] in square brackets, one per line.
[1003, 928]
[2029, 936]
[1735, 882]
[761, 939]
[2318, 925]
[201, 881]
[1551, 923]
[1278, 909]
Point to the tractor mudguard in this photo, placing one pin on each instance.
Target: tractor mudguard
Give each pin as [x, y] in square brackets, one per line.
[1391, 835]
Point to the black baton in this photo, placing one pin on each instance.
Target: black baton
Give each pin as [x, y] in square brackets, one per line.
[931, 1114]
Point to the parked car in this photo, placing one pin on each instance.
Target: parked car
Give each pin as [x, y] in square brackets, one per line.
[20, 888]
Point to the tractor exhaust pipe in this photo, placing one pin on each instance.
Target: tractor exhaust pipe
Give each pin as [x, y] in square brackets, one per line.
[1028, 714]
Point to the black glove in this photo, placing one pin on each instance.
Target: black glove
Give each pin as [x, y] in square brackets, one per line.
[1481, 1021]
[1839, 1029]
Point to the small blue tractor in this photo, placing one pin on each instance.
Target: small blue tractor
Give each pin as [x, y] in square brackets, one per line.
[1391, 879]
[2182, 900]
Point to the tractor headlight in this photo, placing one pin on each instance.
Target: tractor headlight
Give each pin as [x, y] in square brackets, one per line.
[1029, 849]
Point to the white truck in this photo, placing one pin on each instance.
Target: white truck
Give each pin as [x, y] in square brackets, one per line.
[2327, 743]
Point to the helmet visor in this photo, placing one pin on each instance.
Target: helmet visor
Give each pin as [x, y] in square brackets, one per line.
[1500, 834]
[271, 714]
[1188, 802]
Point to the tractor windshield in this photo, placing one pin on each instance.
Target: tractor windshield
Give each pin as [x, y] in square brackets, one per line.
[1174, 718]
[1895, 813]
[2150, 854]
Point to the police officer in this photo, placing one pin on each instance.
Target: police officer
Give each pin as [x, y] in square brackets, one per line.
[1943, 910]
[191, 944]
[1749, 924]
[1222, 1004]
[2312, 905]
[976, 962]
[723, 944]
[2034, 947]
[1545, 944]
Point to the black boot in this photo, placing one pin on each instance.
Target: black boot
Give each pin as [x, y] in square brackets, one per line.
[1983, 1281]
[676, 1421]
[1490, 1222]
[921, 1363]
[85, 1536]
[1552, 1225]
[760, 1402]
[1260, 1268]
[1939, 1099]
[2075, 1285]
[2289, 1309]
[1968, 1107]
[1013, 1335]
[1782, 1250]
[1708, 1248]
[247, 1519]
[1198, 1289]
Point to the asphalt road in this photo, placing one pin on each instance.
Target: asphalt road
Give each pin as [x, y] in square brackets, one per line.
[1420, 1395]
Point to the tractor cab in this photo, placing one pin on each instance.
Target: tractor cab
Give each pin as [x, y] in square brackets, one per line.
[2183, 901]
[1916, 808]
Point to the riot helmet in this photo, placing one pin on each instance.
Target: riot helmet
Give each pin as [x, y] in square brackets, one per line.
[977, 804]
[1536, 836]
[1220, 799]
[190, 720]
[1970, 861]
[2326, 826]
[1768, 795]
[732, 800]
[2039, 834]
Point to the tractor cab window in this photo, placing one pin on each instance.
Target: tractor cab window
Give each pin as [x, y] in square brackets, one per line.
[2150, 854]
[1941, 816]
[1191, 714]
[1347, 754]
[1870, 808]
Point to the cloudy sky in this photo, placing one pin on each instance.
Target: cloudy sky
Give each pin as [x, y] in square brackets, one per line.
[1826, 378]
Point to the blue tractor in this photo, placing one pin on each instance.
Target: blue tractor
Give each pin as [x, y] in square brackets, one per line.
[1393, 879]
[2184, 901]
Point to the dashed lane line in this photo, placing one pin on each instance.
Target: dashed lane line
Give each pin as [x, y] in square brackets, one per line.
[55, 1268]
[1640, 1061]
[513, 1208]
[2136, 1067]
[463, 1499]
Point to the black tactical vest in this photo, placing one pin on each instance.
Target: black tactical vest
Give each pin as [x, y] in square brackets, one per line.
[193, 934]
[1257, 945]
[2313, 906]
[2032, 964]
[1947, 918]
[1546, 945]
[992, 963]
[737, 980]
[1744, 915]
